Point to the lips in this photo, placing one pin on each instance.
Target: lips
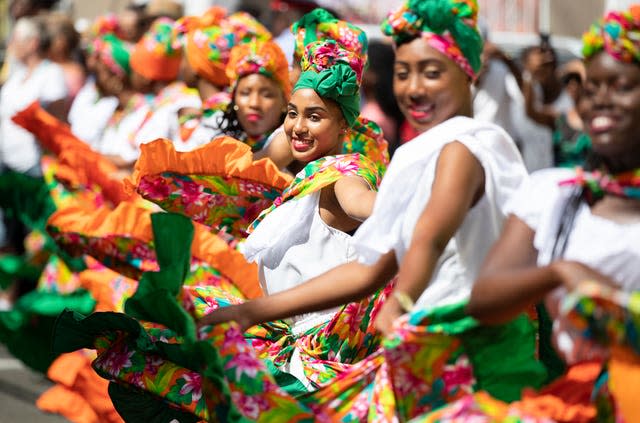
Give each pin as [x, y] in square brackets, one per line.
[421, 112]
[254, 117]
[602, 123]
[301, 145]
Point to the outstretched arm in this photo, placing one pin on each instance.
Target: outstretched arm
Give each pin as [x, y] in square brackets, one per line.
[510, 281]
[341, 285]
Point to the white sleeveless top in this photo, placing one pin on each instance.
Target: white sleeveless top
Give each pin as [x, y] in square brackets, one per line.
[406, 188]
[292, 245]
[611, 248]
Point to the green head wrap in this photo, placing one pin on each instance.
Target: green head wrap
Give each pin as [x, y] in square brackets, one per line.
[114, 52]
[319, 25]
[333, 73]
[449, 26]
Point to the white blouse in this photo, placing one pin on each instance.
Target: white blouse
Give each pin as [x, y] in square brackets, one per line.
[406, 189]
[611, 248]
[292, 245]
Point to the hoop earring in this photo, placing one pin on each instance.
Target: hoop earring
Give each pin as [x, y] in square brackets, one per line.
[235, 107]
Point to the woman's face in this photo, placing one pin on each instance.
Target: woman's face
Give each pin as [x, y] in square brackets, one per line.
[260, 104]
[314, 126]
[107, 81]
[429, 87]
[610, 107]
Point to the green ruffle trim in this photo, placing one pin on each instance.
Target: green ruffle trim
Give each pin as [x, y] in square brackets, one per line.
[156, 301]
[503, 356]
[26, 329]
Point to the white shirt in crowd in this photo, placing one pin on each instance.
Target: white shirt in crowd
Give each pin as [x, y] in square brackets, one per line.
[18, 148]
[90, 113]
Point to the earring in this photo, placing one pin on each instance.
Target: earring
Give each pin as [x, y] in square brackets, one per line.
[235, 107]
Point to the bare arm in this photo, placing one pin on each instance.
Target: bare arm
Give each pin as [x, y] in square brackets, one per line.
[458, 185]
[510, 280]
[278, 151]
[539, 114]
[341, 285]
[355, 197]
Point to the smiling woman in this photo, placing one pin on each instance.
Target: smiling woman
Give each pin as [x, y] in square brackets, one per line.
[306, 231]
[259, 75]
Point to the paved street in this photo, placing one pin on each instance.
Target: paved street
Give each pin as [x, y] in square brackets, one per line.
[19, 389]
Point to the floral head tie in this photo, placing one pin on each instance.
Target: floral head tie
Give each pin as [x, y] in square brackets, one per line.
[319, 25]
[157, 55]
[449, 26]
[618, 33]
[113, 52]
[333, 73]
[206, 45]
[259, 57]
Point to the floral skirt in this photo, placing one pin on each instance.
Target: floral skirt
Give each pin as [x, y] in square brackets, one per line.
[435, 357]
[588, 391]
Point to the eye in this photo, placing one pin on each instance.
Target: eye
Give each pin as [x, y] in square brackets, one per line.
[291, 114]
[432, 73]
[624, 86]
[401, 74]
[315, 118]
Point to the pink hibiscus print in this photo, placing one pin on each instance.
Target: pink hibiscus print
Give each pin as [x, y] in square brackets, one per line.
[192, 193]
[244, 363]
[193, 385]
[154, 188]
[250, 406]
[118, 361]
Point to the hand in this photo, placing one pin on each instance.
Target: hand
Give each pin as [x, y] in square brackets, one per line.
[389, 312]
[573, 273]
[539, 62]
[225, 314]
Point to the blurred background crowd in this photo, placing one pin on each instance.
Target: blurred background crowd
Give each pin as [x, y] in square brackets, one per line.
[529, 84]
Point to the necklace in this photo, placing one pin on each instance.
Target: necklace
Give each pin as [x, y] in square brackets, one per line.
[598, 183]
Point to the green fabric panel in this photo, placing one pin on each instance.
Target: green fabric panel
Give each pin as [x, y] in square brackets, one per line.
[286, 381]
[74, 331]
[548, 355]
[16, 267]
[503, 358]
[27, 198]
[155, 299]
[52, 304]
[338, 83]
[28, 338]
[140, 406]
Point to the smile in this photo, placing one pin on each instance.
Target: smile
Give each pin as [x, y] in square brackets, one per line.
[301, 145]
[422, 112]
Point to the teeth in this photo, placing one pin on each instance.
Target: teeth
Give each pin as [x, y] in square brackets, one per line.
[601, 122]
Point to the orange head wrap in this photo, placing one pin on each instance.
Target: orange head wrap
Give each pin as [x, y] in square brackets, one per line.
[261, 57]
[156, 55]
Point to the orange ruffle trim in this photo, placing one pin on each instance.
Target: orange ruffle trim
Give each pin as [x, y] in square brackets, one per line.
[224, 156]
[80, 395]
[99, 281]
[568, 399]
[89, 167]
[624, 382]
[131, 221]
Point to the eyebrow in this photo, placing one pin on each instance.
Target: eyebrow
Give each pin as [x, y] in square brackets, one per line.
[309, 109]
[424, 62]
